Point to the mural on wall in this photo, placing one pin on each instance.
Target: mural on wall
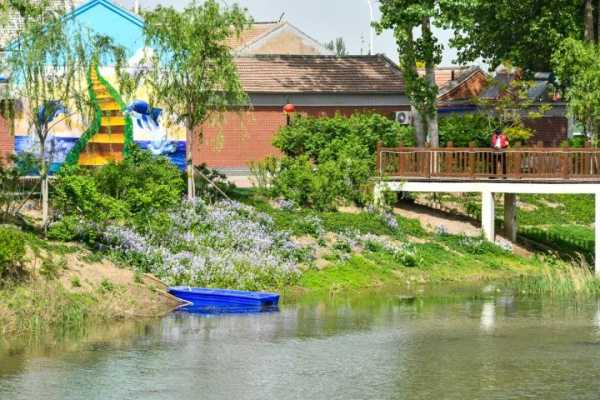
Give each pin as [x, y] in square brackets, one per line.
[151, 128]
[64, 133]
[151, 134]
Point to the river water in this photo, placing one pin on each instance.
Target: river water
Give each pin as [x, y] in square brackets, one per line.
[374, 345]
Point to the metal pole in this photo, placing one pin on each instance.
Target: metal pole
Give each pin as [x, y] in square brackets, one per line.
[370, 3]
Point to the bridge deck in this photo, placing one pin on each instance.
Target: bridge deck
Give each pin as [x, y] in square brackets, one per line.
[535, 164]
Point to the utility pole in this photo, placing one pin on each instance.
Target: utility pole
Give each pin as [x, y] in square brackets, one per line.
[136, 6]
[371, 35]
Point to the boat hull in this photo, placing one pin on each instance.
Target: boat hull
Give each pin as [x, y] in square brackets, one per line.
[223, 299]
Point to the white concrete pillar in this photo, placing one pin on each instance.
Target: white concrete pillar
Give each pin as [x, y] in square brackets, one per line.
[510, 216]
[488, 216]
[597, 235]
[378, 195]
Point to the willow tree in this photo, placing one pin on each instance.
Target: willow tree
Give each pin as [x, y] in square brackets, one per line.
[405, 18]
[46, 65]
[192, 72]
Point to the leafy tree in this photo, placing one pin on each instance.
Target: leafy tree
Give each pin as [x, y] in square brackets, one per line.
[512, 105]
[339, 46]
[47, 63]
[577, 64]
[192, 69]
[47, 72]
[524, 32]
[329, 160]
[404, 17]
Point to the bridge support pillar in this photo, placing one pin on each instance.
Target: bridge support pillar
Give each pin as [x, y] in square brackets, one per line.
[488, 215]
[597, 235]
[510, 216]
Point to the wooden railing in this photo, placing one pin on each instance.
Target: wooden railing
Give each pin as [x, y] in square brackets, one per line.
[471, 163]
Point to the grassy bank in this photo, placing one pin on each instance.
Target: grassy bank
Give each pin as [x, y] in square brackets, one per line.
[65, 286]
[560, 223]
[435, 257]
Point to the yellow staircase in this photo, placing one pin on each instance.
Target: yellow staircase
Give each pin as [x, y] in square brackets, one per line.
[107, 144]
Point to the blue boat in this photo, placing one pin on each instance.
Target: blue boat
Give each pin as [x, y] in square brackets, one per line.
[223, 299]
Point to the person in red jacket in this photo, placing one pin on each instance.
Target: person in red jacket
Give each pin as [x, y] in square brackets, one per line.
[499, 142]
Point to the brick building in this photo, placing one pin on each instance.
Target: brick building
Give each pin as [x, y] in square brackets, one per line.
[316, 85]
[459, 86]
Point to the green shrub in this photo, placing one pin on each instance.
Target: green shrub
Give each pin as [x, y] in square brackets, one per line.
[315, 136]
[143, 181]
[136, 187]
[463, 129]
[66, 229]
[77, 194]
[211, 185]
[328, 160]
[75, 282]
[12, 253]
[263, 173]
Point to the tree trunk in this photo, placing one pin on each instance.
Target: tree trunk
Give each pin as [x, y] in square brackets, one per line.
[432, 120]
[44, 182]
[408, 64]
[598, 22]
[191, 186]
[589, 21]
[420, 129]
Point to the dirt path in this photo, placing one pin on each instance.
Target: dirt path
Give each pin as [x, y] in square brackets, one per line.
[435, 220]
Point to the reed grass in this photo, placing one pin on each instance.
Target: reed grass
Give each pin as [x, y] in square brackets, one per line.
[41, 305]
[560, 279]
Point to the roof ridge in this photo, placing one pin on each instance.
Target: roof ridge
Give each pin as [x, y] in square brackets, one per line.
[283, 55]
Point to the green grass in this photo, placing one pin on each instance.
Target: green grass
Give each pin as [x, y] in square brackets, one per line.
[440, 258]
[560, 222]
[363, 222]
[36, 307]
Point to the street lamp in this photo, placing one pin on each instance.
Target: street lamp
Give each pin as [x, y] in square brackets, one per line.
[288, 109]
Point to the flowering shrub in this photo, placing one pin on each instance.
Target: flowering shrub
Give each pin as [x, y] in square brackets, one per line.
[227, 244]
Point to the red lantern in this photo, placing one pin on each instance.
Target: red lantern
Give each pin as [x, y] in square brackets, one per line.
[289, 108]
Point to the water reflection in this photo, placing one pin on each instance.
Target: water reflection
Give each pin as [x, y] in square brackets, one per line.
[375, 345]
[488, 317]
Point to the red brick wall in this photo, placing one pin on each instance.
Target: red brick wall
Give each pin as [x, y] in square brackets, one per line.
[550, 130]
[244, 137]
[7, 141]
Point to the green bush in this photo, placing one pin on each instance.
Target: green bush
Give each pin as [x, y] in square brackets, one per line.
[78, 194]
[211, 184]
[329, 160]
[143, 181]
[463, 129]
[12, 253]
[132, 190]
[320, 136]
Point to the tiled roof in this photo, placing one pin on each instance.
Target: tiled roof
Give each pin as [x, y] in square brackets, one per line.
[254, 32]
[443, 75]
[319, 74]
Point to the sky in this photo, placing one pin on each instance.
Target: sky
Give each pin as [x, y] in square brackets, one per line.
[324, 20]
